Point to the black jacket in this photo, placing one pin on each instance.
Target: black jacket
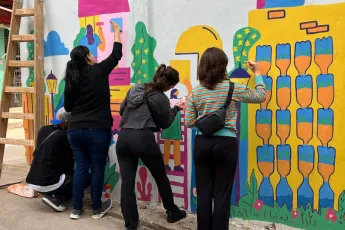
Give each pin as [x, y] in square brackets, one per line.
[136, 115]
[90, 103]
[53, 159]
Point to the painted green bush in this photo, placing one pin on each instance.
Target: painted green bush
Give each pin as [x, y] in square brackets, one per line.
[250, 207]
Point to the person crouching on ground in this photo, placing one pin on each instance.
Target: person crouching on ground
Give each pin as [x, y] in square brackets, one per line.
[145, 110]
[52, 167]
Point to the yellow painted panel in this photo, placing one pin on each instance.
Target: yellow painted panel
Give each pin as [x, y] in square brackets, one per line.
[119, 92]
[287, 30]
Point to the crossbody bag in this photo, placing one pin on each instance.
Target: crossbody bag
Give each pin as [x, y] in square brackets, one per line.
[215, 121]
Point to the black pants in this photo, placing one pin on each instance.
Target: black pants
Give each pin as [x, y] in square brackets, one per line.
[64, 192]
[131, 145]
[215, 160]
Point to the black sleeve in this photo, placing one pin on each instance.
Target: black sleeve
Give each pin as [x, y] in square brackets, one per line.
[164, 115]
[108, 64]
[69, 100]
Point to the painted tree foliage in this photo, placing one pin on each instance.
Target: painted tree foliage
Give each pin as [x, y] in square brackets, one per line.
[144, 64]
[81, 33]
[244, 39]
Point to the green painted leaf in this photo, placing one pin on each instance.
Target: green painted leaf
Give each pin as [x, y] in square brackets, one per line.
[111, 176]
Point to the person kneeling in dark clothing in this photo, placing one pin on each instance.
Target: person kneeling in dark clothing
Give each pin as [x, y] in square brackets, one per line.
[52, 167]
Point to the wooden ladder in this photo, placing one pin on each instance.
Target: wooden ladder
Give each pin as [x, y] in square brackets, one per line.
[37, 90]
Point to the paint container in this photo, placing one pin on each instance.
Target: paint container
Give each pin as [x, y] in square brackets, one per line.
[107, 191]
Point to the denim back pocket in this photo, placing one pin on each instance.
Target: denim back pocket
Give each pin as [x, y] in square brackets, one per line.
[100, 137]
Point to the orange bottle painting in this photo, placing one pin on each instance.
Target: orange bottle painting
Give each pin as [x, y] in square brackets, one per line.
[302, 56]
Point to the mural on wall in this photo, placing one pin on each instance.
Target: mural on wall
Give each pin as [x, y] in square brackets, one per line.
[288, 171]
[292, 151]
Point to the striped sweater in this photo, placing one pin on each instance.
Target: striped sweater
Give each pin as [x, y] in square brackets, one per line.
[203, 101]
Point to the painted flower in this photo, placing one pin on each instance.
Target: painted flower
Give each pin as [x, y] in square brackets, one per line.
[294, 214]
[258, 205]
[331, 215]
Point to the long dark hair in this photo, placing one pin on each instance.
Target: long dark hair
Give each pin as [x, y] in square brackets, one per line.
[164, 78]
[212, 67]
[75, 67]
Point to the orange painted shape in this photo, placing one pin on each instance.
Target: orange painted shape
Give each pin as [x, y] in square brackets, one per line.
[302, 63]
[307, 25]
[265, 168]
[305, 131]
[325, 96]
[283, 132]
[264, 105]
[264, 131]
[276, 14]
[283, 65]
[304, 97]
[318, 29]
[283, 97]
[324, 133]
[264, 66]
[326, 171]
[323, 61]
[305, 168]
[284, 167]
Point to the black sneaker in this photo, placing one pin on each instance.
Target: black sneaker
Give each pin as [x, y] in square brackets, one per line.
[76, 214]
[54, 203]
[174, 216]
[106, 206]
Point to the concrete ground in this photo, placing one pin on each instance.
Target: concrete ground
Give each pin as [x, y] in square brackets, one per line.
[19, 213]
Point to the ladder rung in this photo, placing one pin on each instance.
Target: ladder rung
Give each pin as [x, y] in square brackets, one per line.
[10, 89]
[25, 12]
[24, 116]
[9, 141]
[23, 38]
[19, 64]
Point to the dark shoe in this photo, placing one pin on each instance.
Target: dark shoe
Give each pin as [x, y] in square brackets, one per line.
[167, 168]
[54, 203]
[106, 206]
[174, 216]
[178, 169]
[75, 215]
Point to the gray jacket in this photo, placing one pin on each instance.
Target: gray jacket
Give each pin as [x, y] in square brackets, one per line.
[136, 115]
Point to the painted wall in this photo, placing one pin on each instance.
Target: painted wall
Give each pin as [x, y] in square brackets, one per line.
[291, 162]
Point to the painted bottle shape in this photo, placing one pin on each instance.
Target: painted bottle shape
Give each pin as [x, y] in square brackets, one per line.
[284, 192]
[304, 90]
[302, 56]
[326, 169]
[305, 124]
[264, 59]
[325, 125]
[265, 156]
[305, 166]
[283, 118]
[283, 61]
[264, 124]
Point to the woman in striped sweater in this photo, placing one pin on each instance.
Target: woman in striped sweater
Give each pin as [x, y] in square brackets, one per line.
[216, 157]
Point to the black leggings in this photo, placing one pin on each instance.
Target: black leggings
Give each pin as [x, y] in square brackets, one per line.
[131, 145]
[215, 160]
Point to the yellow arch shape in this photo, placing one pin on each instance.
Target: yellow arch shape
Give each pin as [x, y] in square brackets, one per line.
[197, 39]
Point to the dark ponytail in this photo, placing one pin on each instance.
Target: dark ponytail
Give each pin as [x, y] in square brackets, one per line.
[74, 69]
[164, 78]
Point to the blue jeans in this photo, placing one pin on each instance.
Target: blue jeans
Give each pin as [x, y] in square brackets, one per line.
[90, 148]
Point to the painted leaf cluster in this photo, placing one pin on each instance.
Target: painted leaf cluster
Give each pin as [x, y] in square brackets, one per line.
[244, 39]
[81, 33]
[111, 176]
[144, 64]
